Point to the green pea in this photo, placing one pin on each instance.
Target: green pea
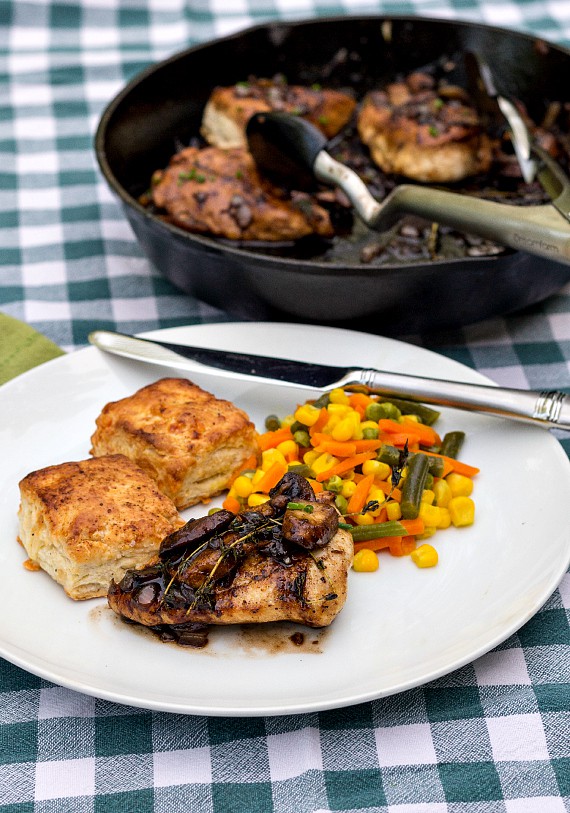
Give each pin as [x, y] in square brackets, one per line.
[297, 426]
[272, 423]
[369, 433]
[301, 438]
[341, 503]
[334, 483]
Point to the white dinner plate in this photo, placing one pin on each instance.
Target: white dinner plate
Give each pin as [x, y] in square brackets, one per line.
[400, 627]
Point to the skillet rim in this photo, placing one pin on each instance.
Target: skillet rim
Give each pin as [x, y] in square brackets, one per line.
[241, 255]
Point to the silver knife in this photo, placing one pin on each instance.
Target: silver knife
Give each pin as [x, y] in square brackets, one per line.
[547, 408]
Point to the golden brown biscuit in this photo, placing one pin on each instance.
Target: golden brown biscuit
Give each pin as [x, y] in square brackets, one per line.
[189, 441]
[86, 523]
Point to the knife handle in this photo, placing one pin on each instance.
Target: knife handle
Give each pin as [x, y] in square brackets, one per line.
[549, 408]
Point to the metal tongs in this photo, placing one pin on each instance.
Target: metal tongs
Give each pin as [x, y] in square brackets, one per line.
[285, 147]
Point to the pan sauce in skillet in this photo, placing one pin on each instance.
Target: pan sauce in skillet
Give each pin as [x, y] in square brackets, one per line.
[413, 239]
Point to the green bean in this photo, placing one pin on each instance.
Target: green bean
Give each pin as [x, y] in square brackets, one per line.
[322, 401]
[452, 443]
[426, 414]
[388, 454]
[391, 456]
[414, 485]
[302, 469]
[435, 465]
[297, 426]
[378, 530]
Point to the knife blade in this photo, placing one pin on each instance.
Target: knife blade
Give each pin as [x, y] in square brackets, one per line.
[546, 408]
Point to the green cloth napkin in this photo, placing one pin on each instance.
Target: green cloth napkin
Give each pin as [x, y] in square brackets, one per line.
[22, 347]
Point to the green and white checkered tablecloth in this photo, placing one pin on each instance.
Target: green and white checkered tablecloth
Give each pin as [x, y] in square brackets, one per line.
[492, 737]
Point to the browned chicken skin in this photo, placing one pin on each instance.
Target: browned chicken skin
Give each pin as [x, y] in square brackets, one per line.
[424, 130]
[272, 563]
[218, 191]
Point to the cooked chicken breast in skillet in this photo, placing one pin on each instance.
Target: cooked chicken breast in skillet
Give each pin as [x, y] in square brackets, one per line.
[219, 192]
[424, 130]
[229, 108]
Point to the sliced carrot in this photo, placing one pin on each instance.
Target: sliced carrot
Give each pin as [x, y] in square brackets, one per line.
[359, 400]
[358, 499]
[413, 527]
[427, 435]
[317, 487]
[367, 445]
[387, 488]
[337, 448]
[375, 544]
[345, 465]
[268, 440]
[400, 439]
[271, 477]
[231, 504]
[403, 546]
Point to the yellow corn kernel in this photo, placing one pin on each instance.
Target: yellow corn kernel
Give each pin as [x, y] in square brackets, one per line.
[428, 531]
[310, 457]
[429, 514]
[259, 473]
[442, 493]
[347, 488]
[365, 561]
[460, 485]
[369, 425]
[271, 456]
[307, 414]
[378, 469]
[287, 447]
[364, 519]
[414, 418]
[323, 462]
[338, 396]
[287, 420]
[462, 511]
[393, 510]
[343, 430]
[424, 556]
[338, 409]
[256, 499]
[444, 518]
[378, 495]
[294, 463]
[242, 487]
[428, 496]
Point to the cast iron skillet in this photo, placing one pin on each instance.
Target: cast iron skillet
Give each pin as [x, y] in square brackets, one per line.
[160, 110]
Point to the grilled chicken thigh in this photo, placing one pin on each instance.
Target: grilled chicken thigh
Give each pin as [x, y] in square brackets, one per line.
[424, 130]
[272, 563]
[217, 191]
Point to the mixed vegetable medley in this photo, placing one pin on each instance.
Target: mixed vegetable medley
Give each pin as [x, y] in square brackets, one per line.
[396, 481]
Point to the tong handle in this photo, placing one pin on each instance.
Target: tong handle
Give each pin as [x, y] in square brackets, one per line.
[540, 230]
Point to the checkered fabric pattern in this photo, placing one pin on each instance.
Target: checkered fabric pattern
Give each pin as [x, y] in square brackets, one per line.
[492, 737]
